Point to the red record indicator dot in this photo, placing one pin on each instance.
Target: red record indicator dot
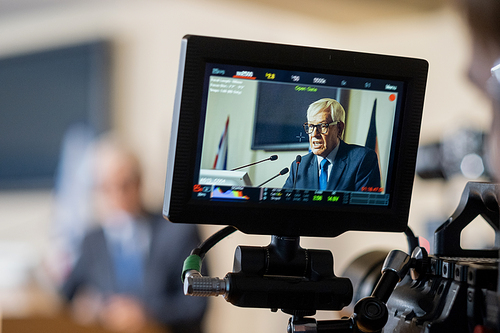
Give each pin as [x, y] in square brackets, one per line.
[392, 97]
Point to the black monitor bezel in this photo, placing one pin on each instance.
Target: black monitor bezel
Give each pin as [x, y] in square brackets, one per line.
[288, 220]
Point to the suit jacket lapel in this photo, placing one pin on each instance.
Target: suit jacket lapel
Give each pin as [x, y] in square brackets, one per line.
[338, 167]
[104, 254]
[313, 172]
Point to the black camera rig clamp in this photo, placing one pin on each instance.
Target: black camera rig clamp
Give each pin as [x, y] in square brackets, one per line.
[281, 275]
[298, 281]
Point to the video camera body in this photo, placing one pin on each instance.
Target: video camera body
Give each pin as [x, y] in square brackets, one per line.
[455, 295]
[456, 290]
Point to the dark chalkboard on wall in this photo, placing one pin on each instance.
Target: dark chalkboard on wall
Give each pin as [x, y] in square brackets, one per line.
[42, 95]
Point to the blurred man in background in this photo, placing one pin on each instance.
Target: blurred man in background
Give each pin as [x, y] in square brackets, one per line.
[128, 272]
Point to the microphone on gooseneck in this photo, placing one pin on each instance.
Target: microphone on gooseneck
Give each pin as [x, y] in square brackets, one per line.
[298, 159]
[270, 158]
[282, 172]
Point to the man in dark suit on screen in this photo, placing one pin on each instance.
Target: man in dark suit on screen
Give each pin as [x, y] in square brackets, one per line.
[333, 164]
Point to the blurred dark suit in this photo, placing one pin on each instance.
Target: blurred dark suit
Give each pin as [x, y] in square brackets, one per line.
[162, 292]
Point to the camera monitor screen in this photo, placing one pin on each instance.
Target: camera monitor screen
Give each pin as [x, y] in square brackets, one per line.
[291, 140]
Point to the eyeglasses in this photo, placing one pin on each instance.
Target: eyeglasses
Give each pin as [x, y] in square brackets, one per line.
[322, 127]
